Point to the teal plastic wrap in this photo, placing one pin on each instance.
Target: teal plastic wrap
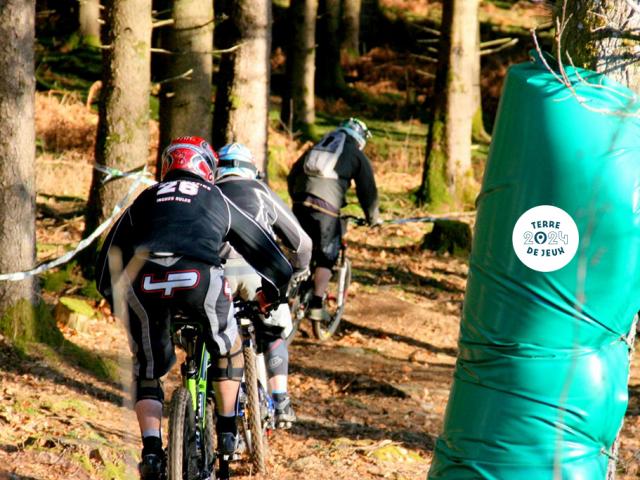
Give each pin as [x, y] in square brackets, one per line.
[540, 384]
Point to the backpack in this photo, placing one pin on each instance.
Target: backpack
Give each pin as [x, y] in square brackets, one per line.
[321, 160]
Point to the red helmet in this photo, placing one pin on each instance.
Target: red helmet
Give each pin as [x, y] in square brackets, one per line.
[190, 154]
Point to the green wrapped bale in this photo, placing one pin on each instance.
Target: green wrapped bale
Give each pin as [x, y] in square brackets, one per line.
[540, 384]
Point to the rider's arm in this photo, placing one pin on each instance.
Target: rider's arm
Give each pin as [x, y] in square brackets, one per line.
[260, 251]
[289, 231]
[366, 189]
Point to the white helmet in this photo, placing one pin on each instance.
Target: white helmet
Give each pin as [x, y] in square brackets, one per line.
[236, 159]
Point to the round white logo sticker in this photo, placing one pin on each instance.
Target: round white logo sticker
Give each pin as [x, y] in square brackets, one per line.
[545, 238]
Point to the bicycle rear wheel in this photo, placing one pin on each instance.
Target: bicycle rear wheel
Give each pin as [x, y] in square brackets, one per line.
[182, 460]
[252, 419]
[298, 308]
[335, 302]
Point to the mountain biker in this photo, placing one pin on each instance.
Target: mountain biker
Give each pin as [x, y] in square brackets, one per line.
[318, 182]
[236, 177]
[162, 257]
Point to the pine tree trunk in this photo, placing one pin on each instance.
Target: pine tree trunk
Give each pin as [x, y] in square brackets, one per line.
[351, 27]
[242, 97]
[89, 19]
[185, 102]
[17, 165]
[123, 128]
[447, 174]
[298, 104]
[329, 76]
[598, 37]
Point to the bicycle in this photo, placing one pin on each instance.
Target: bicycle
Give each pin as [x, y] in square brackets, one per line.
[256, 408]
[335, 297]
[191, 454]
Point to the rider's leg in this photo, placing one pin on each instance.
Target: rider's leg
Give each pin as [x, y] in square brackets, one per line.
[225, 375]
[321, 278]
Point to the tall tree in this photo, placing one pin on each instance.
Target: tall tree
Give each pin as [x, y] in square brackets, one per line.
[17, 164]
[242, 98]
[601, 36]
[123, 127]
[89, 20]
[350, 37]
[447, 176]
[185, 98]
[329, 75]
[298, 102]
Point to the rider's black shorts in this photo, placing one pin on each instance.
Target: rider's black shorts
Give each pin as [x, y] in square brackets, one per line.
[325, 232]
[168, 285]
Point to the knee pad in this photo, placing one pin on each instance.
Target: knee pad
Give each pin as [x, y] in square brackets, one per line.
[227, 367]
[277, 358]
[148, 389]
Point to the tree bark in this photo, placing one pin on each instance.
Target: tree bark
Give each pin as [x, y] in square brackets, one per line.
[329, 76]
[350, 44]
[185, 102]
[242, 98]
[602, 35]
[123, 127]
[447, 174]
[478, 132]
[298, 103]
[89, 19]
[17, 165]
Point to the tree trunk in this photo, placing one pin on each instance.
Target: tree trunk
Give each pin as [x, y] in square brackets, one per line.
[478, 132]
[329, 76]
[447, 174]
[599, 37]
[89, 19]
[123, 127]
[185, 102]
[298, 103]
[351, 27]
[17, 166]
[242, 97]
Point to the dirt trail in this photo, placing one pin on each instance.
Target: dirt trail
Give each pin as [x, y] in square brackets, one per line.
[370, 401]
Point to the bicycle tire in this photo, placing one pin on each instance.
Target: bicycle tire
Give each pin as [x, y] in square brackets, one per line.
[298, 308]
[182, 464]
[334, 306]
[209, 435]
[257, 445]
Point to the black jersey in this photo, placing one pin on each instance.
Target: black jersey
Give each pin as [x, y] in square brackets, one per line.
[187, 216]
[266, 208]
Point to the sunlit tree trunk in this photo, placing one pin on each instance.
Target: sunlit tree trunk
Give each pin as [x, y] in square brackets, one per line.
[185, 100]
[602, 35]
[242, 97]
[17, 165]
[123, 128]
[329, 76]
[478, 133]
[298, 103]
[351, 27]
[447, 174]
[89, 19]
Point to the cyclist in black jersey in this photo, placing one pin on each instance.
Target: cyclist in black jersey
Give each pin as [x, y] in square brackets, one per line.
[236, 177]
[162, 257]
[318, 183]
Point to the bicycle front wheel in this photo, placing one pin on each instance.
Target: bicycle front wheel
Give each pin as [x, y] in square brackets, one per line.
[182, 461]
[335, 302]
[252, 420]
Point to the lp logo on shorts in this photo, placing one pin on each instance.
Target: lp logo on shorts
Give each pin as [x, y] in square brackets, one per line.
[545, 238]
[174, 281]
